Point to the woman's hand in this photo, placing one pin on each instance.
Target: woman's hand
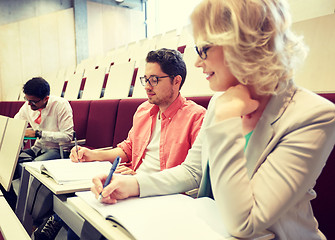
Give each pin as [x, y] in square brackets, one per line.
[235, 102]
[121, 187]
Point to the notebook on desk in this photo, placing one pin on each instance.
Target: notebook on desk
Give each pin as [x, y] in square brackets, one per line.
[175, 216]
[65, 171]
[163, 217]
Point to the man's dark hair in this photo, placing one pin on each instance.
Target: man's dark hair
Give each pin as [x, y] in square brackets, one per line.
[37, 87]
[170, 61]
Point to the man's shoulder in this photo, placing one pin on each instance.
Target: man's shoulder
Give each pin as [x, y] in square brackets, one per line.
[190, 110]
[190, 105]
[59, 104]
[56, 99]
[145, 106]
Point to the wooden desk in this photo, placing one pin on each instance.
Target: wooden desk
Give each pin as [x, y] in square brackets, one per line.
[58, 188]
[60, 206]
[60, 193]
[108, 228]
[10, 226]
[74, 211]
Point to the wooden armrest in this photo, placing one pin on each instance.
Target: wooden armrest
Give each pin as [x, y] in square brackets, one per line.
[71, 143]
[66, 145]
[29, 138]
[105, 148]
[192, 193]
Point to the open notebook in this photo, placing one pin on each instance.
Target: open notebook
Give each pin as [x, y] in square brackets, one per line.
[65, 171]
[163, 217]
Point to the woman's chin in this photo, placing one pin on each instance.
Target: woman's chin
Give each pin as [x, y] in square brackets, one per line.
[214, 87]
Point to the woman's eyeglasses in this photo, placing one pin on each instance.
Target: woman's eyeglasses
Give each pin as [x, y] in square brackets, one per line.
[202, 52]
[153, 80]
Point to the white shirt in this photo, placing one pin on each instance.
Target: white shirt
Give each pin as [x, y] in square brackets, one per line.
[56, 124]
[151, 161]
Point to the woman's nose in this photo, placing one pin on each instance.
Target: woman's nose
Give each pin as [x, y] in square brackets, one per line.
[198, 62]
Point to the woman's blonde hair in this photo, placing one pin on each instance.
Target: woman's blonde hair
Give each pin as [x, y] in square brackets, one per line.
[259, 47]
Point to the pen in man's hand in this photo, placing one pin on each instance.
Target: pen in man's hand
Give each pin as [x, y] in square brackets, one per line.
[75, 142]
[110, 175]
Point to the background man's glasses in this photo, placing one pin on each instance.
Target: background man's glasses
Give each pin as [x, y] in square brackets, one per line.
[202, 52]
[153, 80]
[32, 101]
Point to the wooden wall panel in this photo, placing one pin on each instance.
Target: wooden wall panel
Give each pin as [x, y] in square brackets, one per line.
[35, 47]
[137, 27]
[49, 43]
[10, 62]
[115, 27]
[95, 28]
[302, 10]
[30, 46]
[318, 71]
[110, 27]
[66, 38]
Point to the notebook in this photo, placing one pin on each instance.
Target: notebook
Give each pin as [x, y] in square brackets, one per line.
[174, 216]
[65, 171]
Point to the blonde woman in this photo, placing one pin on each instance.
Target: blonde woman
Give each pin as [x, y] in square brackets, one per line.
[263, 142]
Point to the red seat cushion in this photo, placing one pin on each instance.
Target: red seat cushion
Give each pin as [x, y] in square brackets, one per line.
[124, 121]
[323, 205]
[80, 116]
[101, 123]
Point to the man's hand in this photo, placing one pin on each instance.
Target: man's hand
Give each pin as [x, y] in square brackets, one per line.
[121, 187]
[83, 155]
[30, 133]
[123, 170]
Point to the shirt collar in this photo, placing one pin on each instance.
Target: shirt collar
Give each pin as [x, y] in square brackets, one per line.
[171, 110]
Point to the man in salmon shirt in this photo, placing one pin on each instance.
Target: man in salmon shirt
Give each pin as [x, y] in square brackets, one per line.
[164, 127]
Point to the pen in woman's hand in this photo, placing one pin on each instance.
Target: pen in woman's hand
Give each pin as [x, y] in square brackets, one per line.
[110, 175]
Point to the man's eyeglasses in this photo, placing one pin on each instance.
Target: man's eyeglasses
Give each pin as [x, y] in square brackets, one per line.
[32, 101]
[153, 80]
[202, 52]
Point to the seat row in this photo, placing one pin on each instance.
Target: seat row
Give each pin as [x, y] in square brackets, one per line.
[106, 122]
[121, 80]
[116, 75]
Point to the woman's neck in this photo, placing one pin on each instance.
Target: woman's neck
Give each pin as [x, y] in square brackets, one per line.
[250, 120]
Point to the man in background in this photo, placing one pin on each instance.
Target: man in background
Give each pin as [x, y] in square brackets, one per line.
[50, 119]
[51, 122]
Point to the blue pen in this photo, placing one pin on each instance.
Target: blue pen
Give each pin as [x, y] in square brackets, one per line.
[110, 175]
